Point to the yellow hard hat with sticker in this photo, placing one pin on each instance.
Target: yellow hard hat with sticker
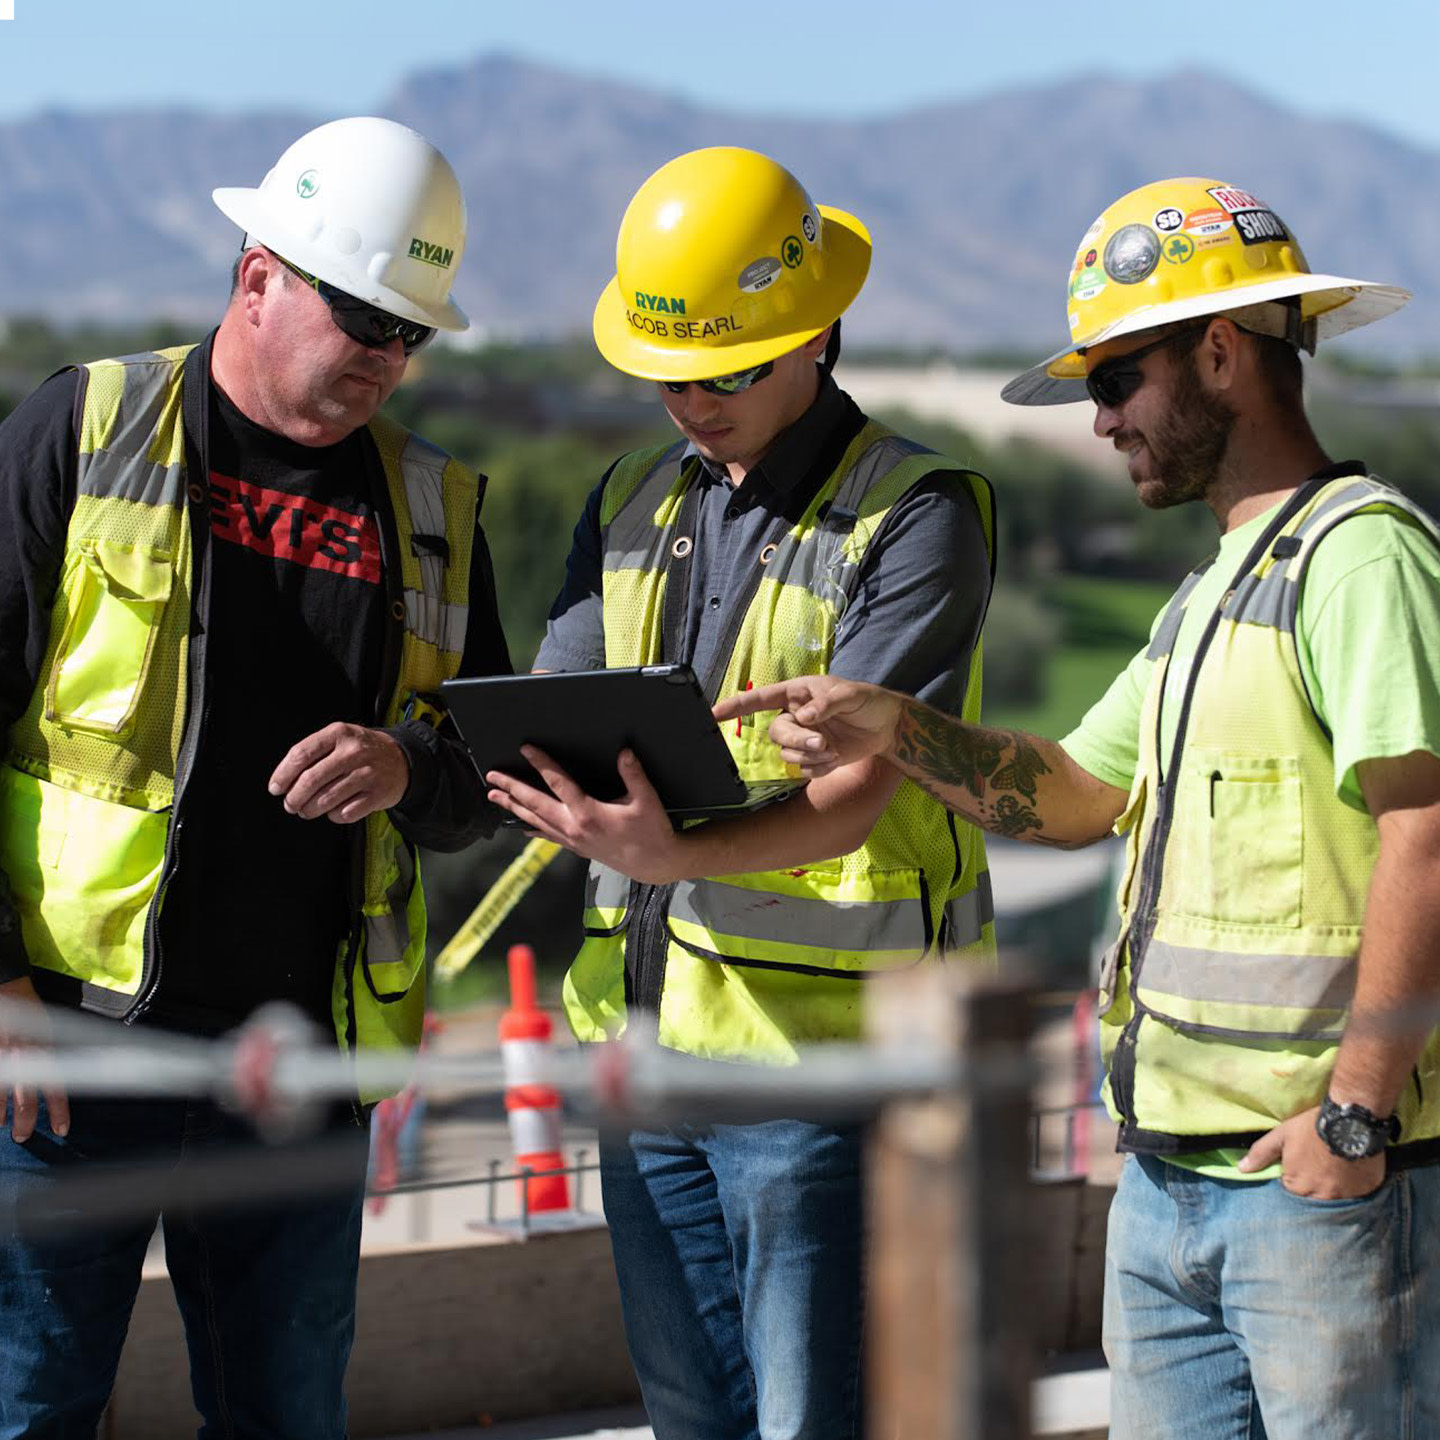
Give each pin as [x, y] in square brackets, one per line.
[1183, 248]
[724, 262]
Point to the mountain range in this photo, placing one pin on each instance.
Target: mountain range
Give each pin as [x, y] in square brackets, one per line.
[975, 206]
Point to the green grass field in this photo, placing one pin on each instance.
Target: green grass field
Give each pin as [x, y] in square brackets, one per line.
[1102, 624]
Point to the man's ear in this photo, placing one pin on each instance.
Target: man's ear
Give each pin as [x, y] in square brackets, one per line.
[259, 270]
[813, 349]
[1219, 353]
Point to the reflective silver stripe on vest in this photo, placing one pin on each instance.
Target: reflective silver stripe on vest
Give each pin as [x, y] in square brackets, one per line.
[1272, 601]
[1164, 641]
[1301, 984]
[108, 475]
[632, 539]
[847, 925]
[1369, 490]
[120, 471]
[966, 916]
[387, 936]
[606, 889]
[427, 615]
[430, 618]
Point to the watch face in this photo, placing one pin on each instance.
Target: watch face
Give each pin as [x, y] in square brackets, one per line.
[1350, 1136]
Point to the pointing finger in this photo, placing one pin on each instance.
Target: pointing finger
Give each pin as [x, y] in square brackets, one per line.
[752, 702]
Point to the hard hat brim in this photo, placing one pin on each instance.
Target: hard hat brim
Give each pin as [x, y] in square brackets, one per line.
[847, 263]
[1333, 302]
[247, 208]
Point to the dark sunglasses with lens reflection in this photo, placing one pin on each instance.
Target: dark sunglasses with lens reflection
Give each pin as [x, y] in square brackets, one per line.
[723, 385]
[364, 323]
[1115, 381]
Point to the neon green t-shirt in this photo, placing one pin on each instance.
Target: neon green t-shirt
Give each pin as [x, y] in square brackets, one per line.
[1367, 635]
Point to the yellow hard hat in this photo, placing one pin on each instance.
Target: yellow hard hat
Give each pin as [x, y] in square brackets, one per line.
[1179, 249]
[723, 263]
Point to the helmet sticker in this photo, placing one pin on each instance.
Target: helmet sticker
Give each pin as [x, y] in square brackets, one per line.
[759, 274]
[1207, 222]
[1178, 249]
[1168, 219]
[1229, 199]
[1257, 227]
[1088, 283]
[1096, 229]
[307, 187]
[1256, 222]
[809, 227]
[791, 251]
[1132, 254]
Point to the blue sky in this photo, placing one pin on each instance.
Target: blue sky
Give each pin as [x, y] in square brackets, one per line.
[844, 58]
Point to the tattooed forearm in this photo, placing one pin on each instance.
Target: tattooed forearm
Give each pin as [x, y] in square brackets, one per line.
[940, 749]
[998, 770]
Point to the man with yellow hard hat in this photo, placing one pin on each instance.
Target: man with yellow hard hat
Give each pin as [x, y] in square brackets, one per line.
[783, 532]
[1273, 757]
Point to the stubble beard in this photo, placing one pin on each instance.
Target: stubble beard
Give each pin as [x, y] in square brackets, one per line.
[1188, 446]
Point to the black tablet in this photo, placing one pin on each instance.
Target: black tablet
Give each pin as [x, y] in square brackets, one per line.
[584, 718]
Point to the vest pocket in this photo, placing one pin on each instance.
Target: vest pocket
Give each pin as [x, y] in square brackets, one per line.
[1236, 853]
[115, 596]
[82, 874]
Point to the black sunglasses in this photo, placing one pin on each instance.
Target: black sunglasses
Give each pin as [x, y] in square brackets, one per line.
[1111, 384]
[723, 385]
[364, 323]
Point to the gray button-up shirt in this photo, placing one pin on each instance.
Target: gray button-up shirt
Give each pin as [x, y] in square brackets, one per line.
[923, 588]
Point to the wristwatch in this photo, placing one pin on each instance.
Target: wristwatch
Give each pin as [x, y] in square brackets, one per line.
[1352, 1132]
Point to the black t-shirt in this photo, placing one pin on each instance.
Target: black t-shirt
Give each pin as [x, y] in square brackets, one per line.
[297, 615]
[259, 901]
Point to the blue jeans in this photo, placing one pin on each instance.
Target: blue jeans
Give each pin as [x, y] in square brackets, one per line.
[267, 1292]
[738, 1249]
[1235, 1310]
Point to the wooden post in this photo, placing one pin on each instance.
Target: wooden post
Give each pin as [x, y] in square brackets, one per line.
[951, 1353]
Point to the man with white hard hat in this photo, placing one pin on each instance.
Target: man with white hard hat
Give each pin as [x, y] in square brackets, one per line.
[229, 590]
[1273, 757]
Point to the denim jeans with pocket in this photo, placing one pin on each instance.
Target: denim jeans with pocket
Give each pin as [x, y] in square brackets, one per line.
[1235, 1310]
[738, 1249]
[266, 1290]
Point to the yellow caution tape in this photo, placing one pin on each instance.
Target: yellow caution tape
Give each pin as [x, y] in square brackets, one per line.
[503, 896]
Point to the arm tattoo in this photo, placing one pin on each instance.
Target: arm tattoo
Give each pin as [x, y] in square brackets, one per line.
[998, 768]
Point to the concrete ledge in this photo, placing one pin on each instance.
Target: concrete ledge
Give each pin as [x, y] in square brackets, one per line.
[447, 1337]
[451, 1337]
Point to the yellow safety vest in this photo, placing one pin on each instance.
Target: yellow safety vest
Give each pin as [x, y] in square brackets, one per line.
[1244, 891]
[757, 964]
[96, 768]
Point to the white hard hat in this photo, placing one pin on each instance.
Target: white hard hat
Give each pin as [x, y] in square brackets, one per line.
[368, 206]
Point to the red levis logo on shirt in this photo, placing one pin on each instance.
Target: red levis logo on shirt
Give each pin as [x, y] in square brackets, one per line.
[289, 527]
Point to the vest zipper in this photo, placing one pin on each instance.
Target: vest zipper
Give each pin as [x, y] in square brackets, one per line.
[645, 950]
[195, 421]
[1142, 928]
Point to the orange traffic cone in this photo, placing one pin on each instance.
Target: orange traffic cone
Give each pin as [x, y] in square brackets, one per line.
[533, 1108]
